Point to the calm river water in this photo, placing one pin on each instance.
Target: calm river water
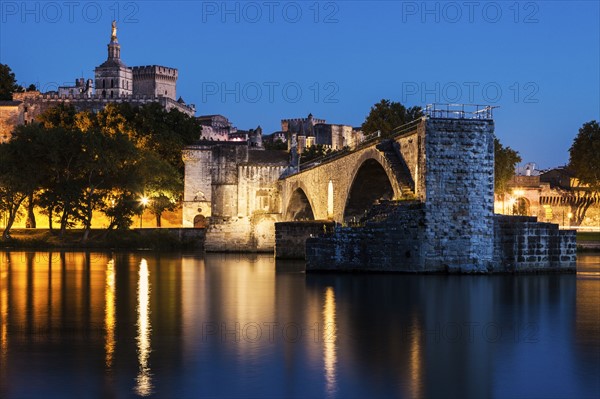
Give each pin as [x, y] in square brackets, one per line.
[189, 326]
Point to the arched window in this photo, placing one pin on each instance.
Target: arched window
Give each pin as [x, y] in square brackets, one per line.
[103, 84]
[521, 207]
[112, 83]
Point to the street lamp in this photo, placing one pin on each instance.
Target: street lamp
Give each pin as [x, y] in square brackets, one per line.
[569, 216]
[144, 202]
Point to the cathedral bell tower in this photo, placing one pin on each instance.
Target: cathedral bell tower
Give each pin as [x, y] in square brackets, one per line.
[113, 78]
[114, 48]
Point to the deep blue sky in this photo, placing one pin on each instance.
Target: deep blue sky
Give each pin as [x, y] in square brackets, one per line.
[539, 61]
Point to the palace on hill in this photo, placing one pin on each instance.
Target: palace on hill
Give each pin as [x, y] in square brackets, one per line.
[114, 82]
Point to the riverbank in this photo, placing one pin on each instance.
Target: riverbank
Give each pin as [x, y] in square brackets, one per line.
[588, 241]
[158, 239]
[153, 239]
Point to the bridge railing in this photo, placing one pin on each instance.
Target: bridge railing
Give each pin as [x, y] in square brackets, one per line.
[459, 111]
[407, 127]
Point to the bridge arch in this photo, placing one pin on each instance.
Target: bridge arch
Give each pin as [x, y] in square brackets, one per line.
[299, 207]
[369, 184]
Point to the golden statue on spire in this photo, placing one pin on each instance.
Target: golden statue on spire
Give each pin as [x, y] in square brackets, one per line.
[113, 36]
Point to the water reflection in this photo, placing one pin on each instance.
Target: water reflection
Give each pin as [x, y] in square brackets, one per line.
[144, 379]
[3, 308]
[164, 325]
[416, 360]
[329, 342]
[109, 313]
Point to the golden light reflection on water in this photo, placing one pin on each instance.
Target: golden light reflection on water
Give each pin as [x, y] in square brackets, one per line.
[109, 313]
[416, 356]
[588, 299]
[3, 310]
[329, 342]
[144, 378]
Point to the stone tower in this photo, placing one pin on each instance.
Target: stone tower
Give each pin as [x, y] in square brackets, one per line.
[155, 81]
[113, 78]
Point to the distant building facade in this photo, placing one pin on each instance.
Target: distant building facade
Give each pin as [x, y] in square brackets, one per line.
[554, 196]
[82, 88]
[219, 128]
[312, 131]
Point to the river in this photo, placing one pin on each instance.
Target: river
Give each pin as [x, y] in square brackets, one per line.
[191, 325]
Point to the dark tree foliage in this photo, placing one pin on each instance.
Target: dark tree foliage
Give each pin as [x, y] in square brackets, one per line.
[151, 128]
[161, 184]
[73, 164]
[505, 162]
[387, 115]
[275, 145]
[584, 155]
[8, 83]
[62, 115]
[313, 152]
[584, 162]
[22, 171]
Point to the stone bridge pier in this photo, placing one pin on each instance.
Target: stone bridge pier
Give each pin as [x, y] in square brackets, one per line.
[421, 201]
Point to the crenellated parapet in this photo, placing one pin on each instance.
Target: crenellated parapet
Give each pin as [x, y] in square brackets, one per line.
[83, 102]
[155, 72]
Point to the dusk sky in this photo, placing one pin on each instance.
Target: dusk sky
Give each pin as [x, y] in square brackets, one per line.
[259, 62]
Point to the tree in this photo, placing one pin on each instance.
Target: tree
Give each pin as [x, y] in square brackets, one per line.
[387, 115]
[121, 206]
[278, 144]
[21, 171]
[584, 162]
[8, 83]
[164, 133]
[505, 161]
[105, 162]
[161, 185]
[61, 188]
[72, 164]
[61, 115]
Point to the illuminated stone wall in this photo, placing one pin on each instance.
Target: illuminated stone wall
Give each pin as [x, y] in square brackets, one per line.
[232, 189]
[451, 226]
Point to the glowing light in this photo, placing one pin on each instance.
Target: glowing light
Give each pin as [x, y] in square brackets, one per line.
[109, 313]
[329, 342]
[518, 192]
[144, 378]
[416, 354]
[144, 201]
[3, 312]
[570, 215]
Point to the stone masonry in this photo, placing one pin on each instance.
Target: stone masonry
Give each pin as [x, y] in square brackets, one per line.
[230, 188]
[450, 226]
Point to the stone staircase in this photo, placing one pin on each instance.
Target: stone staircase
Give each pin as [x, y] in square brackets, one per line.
[384, 210]
[398, 166]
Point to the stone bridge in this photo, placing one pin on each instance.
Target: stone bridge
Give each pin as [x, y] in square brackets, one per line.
[424, 202]
[344, 186]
